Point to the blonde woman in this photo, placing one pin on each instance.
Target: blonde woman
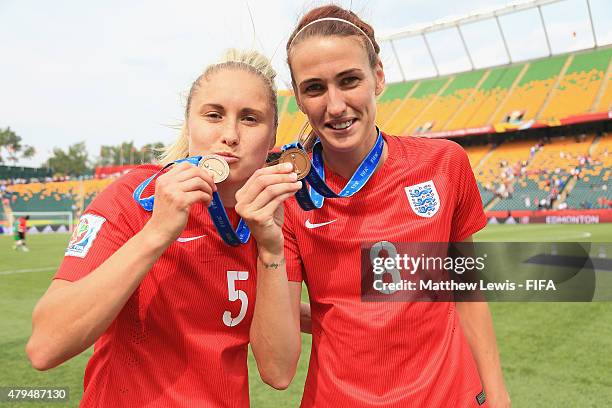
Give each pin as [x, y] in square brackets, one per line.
[166, 301]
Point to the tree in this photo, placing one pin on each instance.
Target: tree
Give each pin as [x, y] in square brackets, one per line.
[127, 153]
[73, 162]
[151, 151]
[11, 148]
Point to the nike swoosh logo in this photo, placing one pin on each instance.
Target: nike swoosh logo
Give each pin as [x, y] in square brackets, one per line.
[187, 239]
[310, 225]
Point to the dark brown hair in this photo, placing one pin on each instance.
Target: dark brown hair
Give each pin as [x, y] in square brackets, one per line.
[334, 28]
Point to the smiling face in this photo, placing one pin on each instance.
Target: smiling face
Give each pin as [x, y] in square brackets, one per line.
[230, 115]
[336, 87]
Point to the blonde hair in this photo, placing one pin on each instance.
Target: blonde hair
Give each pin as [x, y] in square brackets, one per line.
[250, 61]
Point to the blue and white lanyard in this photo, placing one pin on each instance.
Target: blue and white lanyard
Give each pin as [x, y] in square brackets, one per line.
[216, 210]
[313, 198]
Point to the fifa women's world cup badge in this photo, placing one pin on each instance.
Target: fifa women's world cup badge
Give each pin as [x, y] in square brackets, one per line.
[84, 235]
[423, 199]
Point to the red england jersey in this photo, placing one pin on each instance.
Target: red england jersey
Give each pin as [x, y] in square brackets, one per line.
[386, 354]
[181, 339]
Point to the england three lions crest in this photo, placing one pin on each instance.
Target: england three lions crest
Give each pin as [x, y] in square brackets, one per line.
[423, 199]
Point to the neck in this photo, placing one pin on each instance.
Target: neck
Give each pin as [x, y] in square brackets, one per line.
[228, 194]
[346, 163]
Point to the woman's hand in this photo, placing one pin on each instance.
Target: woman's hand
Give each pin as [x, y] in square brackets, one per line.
[175, 192]
[259, 204]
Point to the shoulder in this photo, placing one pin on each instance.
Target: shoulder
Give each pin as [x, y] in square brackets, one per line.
[131, 180]
[424, 149]
[136, 176]
[118, 195]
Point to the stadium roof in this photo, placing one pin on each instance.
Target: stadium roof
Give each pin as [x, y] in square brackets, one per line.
[459, 22]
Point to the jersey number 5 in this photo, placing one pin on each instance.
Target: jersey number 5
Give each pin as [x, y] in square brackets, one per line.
[234, 295]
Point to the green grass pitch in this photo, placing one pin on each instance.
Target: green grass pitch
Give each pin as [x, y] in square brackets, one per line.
[553, 354]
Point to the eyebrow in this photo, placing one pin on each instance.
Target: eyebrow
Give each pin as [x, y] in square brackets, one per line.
[221, 108]
[340, 74]
[215, 106]
[253, 111]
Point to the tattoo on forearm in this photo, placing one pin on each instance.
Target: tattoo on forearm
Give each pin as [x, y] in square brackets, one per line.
[273, 265]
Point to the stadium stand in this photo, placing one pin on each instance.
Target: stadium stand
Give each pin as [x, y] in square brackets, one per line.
[546, 174]
[532, 89]
[481, 105]
[605, 101]
[392, 98]
[291, 123]
[578, 88]
[54, 196]
[593, 188]
[421, 97]
[449, 101]
[507, 97]
[90, 189]
[496, 174]
[476, 154]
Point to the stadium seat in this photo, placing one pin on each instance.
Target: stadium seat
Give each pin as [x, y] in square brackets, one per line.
[421, 97]
[290, 123]
[605, 103]
[532, 89]
[55, 196]
[449, 102]
[476, 153]
[490, 173]
[578, 88]
[593, 188]
[91, 188]
[553, 161]
[481, 105]
[390, 100]
[547, 89]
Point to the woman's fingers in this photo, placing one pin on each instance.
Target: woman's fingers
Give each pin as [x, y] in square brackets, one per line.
[251, 192]
[269, 209]
[192, 197]
[280, 173]
[171, 187]
[195, 183]
[185, 171]
[271, 192]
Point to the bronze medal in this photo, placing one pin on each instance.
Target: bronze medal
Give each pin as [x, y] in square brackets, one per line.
[299, 159]
[216, 166]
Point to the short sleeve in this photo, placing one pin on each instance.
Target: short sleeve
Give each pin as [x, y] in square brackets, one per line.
[468, 216]
[108, 222]
[294, 265]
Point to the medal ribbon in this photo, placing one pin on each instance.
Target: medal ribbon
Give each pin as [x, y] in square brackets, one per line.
[216, 210]
[314, 198]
